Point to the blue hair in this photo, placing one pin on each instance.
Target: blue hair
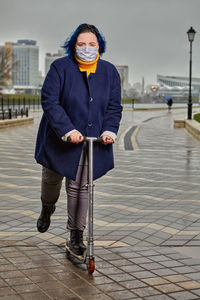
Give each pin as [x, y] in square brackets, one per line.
[70, 42]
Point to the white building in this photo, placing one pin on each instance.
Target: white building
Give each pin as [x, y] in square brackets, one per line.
[25, 73]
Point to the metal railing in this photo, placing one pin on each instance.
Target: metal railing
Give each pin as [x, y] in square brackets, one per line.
[17, 106]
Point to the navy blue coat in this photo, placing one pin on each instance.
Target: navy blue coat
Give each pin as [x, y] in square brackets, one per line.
[71, 100]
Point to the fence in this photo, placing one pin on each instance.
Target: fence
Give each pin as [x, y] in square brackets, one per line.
[12, 107]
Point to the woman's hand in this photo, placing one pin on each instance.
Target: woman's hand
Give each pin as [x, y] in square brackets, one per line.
[76, 137]
[107, 140]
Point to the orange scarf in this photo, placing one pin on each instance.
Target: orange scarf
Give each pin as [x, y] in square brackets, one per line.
[88, 66]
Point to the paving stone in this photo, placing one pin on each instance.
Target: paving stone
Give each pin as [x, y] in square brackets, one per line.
[195, 276]
[183, 295]
[169, 288]
[164, 272]
[101, 280]
[122, 295]
[155, 281]
[38, 296]
[102, 297]
[110, 271]
[121, 277]
[11, 274]
[159, 297]
[176, 278]
[189, 285]
[132, 268]
[14, 297]
[146, 291]
[110, 287]
[17, 281]
[4, 291]
[133, 284]
[143, 274]
[27, 288]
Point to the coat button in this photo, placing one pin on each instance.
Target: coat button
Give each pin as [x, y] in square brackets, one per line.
[91, 99]
[89, 124]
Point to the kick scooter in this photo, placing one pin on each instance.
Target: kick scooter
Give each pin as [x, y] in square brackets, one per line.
[88, 255]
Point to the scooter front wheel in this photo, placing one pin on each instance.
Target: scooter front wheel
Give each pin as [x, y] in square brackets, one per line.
[67, 253]
[91, 265]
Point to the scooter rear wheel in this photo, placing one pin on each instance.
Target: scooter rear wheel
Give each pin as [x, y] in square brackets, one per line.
[91, 266]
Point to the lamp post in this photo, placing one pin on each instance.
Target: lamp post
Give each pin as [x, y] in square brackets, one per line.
[191, 33]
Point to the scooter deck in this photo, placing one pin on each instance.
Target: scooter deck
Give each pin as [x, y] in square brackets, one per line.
[89, 261]
[82, 258]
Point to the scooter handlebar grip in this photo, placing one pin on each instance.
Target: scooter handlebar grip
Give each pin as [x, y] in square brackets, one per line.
[99, 139]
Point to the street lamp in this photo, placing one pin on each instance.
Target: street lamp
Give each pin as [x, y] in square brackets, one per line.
[191, 33]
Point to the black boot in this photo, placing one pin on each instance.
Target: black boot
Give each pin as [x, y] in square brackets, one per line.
[44, 220]
[73, 243]
[82, 247]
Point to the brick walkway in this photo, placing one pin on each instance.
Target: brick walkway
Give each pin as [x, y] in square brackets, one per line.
[147, 220]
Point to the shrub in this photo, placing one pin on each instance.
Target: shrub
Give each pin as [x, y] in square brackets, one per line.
[197, 117]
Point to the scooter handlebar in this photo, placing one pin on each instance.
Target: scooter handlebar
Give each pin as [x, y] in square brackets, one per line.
[96, 139]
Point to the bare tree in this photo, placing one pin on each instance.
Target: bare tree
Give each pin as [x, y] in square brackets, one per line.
[7, 64]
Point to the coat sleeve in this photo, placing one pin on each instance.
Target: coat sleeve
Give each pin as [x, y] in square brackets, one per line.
[113, 111]
[58, 119]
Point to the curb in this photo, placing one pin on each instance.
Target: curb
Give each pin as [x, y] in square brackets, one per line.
[192, 126]
[15, 122]
[130, 135]
[134, 138]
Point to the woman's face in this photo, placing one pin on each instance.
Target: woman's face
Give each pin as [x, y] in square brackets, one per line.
[87, 39]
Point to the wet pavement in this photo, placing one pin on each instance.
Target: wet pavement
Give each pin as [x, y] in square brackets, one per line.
[147, 219]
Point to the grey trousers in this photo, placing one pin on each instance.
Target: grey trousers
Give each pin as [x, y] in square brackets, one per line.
[77, 193]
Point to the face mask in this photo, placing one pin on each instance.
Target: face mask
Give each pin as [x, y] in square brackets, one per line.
[87, 53]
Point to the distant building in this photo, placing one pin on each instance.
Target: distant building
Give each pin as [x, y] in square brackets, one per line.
[25, 75]
[41, 79]
[49, 58]
[177, 81]
[123, 72]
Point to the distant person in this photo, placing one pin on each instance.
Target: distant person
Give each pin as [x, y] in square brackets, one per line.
[169, 102]
[81, 96]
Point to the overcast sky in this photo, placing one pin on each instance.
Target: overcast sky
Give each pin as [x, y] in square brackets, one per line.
[147, 35]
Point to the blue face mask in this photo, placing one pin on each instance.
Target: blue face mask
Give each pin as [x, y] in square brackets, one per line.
[87, 53]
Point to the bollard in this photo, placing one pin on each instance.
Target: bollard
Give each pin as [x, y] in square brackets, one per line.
[9, 113]
[2, 102]
[24, 103]
[13, 103]
[27, 112]
[22, 112]
[132, 103]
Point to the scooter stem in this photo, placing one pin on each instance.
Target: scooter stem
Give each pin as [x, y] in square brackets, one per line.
[90, 141]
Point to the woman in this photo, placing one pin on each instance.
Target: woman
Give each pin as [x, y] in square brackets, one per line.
[81, 96]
